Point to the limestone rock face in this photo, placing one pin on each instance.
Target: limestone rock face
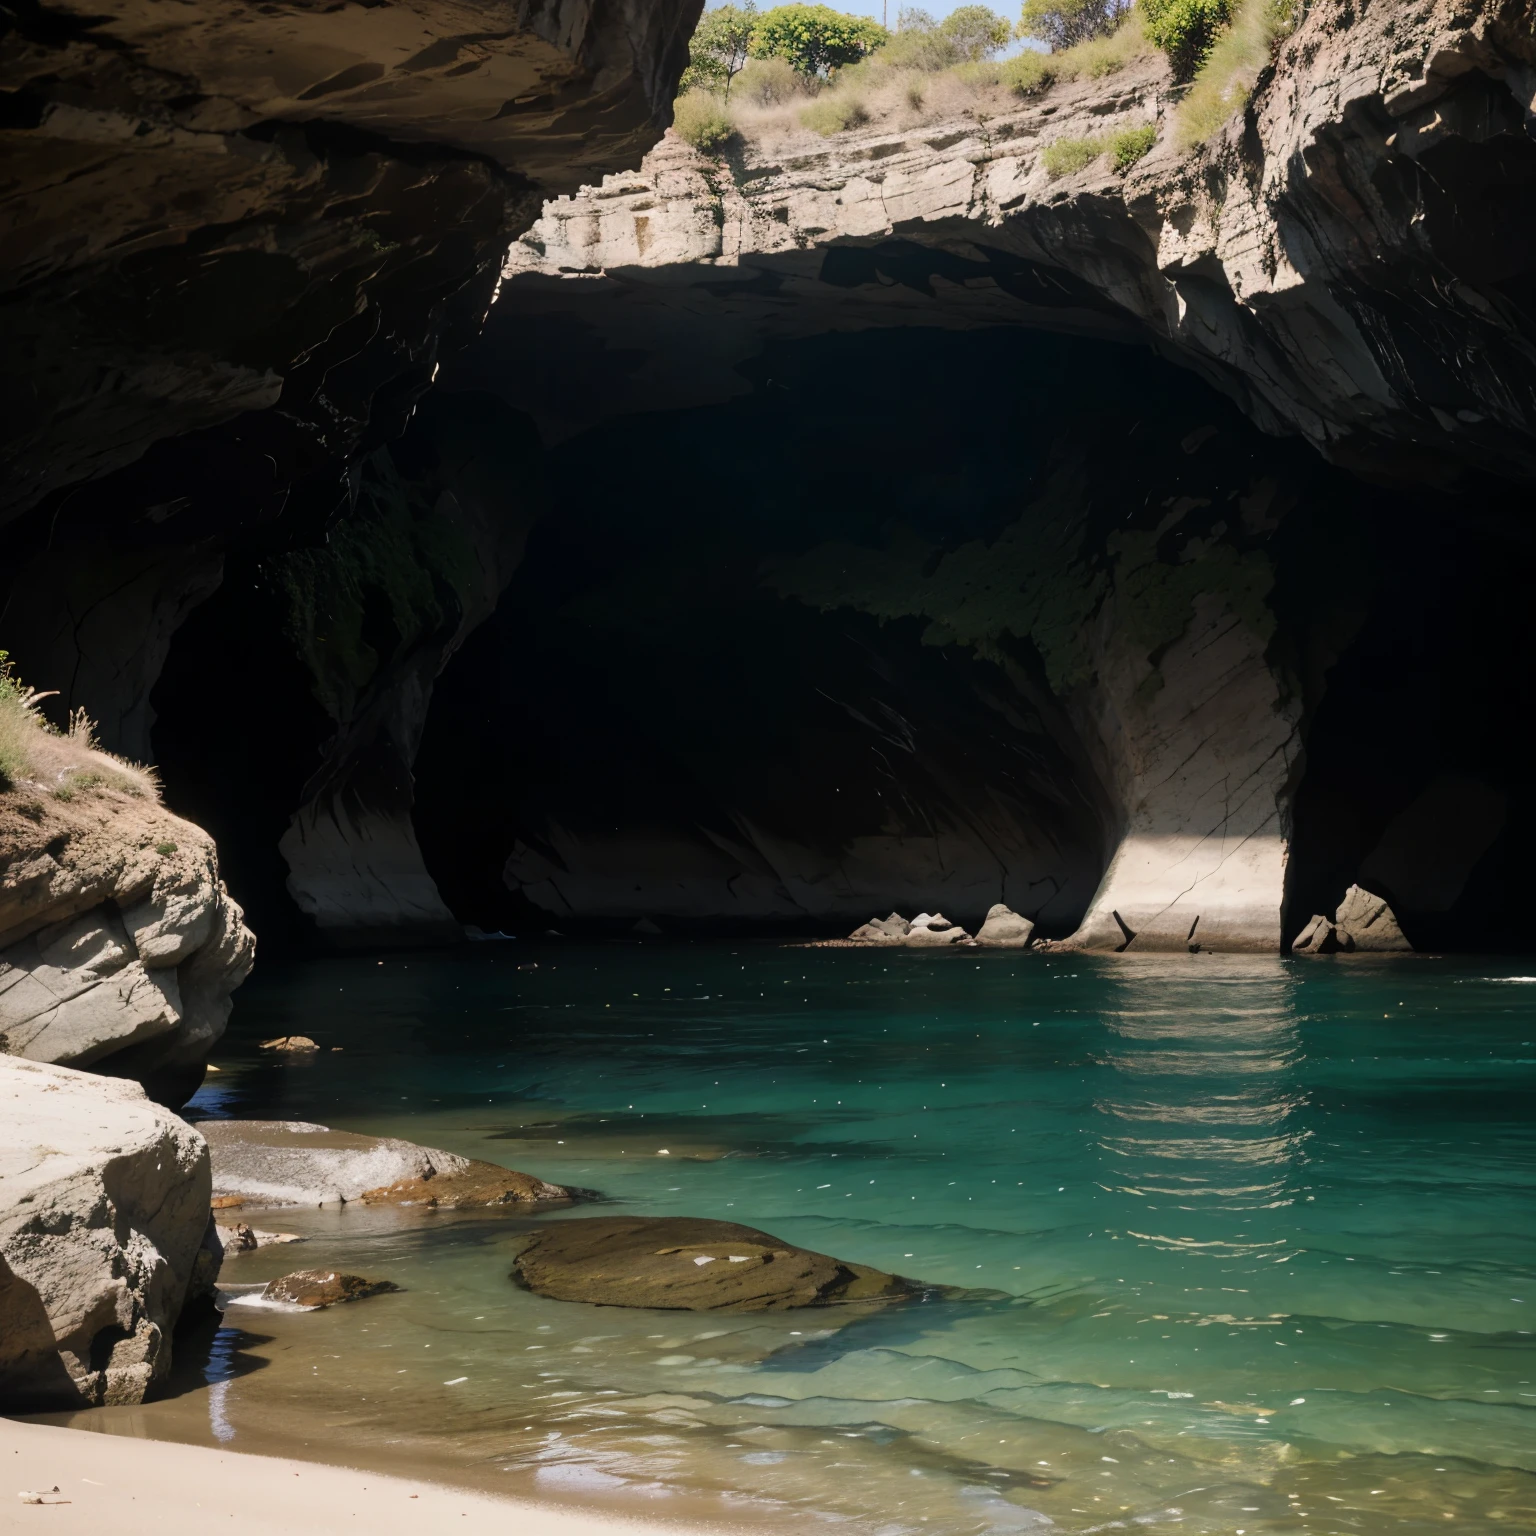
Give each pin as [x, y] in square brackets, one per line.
[103, 1214]
[120, 947]
[692, 1265]
[1005, 929]
[291, 1162]
[1289, 261]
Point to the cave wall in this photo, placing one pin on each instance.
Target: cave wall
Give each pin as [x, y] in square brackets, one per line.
[926, 619]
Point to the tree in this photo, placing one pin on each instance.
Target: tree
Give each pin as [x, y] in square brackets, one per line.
[720, 47]
[975, 32]
[1064, 23]
[1185, 30]
[815, 39]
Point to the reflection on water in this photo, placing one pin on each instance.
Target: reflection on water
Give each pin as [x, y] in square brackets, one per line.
[1238, 1245]
[1206, 1061]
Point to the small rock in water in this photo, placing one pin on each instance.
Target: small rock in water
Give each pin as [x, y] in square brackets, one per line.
[1005, 929]
[1319, 937]
[242, 1238]
[290, 1043]
[882, 930]
[1367, 924]
[673, 1262]
[316, 1288]
[932, 928]
[477, 1184]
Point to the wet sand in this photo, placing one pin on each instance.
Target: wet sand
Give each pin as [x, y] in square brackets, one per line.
[132, 1486]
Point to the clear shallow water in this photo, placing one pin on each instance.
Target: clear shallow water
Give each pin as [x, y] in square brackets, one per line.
[1249, 1242]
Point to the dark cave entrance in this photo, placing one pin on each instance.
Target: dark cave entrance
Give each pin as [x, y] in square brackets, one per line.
[685, 710]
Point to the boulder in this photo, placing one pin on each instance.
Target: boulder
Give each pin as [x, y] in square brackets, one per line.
[1366, 924]
[1319, 937]
[933, 928]
[299, 1043]
[119, 945]
[291, 1162]
[882, 930]
[103, 1220]
[311, 1289]
[1005, 929]
[691, 1264]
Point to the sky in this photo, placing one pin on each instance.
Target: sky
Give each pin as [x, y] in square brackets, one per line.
[938, 9]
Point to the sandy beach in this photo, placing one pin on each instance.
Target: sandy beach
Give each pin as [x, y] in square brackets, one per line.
[157, 1488]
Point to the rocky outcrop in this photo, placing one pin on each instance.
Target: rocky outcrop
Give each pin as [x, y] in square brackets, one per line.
[883, 930]
[1340, 259]
[289, 1162]
[103, 1215]
[932, 930]
[689, 1264]
[119, 946]
[1363, 924]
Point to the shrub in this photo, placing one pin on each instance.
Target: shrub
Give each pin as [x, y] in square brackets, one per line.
[720, 47]
[17, 722]
[1124, 147]
[1032, 72]
[916, 47]
[1067, 156]
[815, 39]
[165, 850]
[835, 112]
[1130, 144]
[1029, 73]
[1061, 24]
[975, 33]
[701, 119]
[769, 83]
[1226, 79]
[1185, 30]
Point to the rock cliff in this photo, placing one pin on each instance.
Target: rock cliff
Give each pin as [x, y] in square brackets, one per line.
[239, 244]
[1350, 258]
[103, 1215]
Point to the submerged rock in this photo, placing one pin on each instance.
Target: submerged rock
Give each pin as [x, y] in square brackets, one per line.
[934, 928]
[291, 1162]
[691, 1264]
[1367, 924]
[883, 930]
[103, 1216]
[312, 1289]
[290, 1043]
[1005, 929]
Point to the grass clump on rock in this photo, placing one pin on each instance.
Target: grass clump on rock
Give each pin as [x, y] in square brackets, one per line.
[1068, 156]
[65, 762]
[1231, 67]
[701, 118]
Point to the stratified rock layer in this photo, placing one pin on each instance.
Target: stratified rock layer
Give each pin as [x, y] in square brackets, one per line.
[103, 1215]
[290, 1162]
[119, 946]
[692, 1265]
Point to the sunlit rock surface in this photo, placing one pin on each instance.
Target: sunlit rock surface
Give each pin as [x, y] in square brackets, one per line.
[103, 1213]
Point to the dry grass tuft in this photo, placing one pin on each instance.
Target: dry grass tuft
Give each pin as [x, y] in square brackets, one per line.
[1226, 79]
[63, 763]
[1031, 73]
[702, 119]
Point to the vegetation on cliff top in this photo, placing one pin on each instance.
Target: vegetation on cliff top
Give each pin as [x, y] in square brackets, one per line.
[855, 72]
[67, 762]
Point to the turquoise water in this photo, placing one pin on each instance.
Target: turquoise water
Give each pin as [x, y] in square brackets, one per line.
[1248, 1244]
